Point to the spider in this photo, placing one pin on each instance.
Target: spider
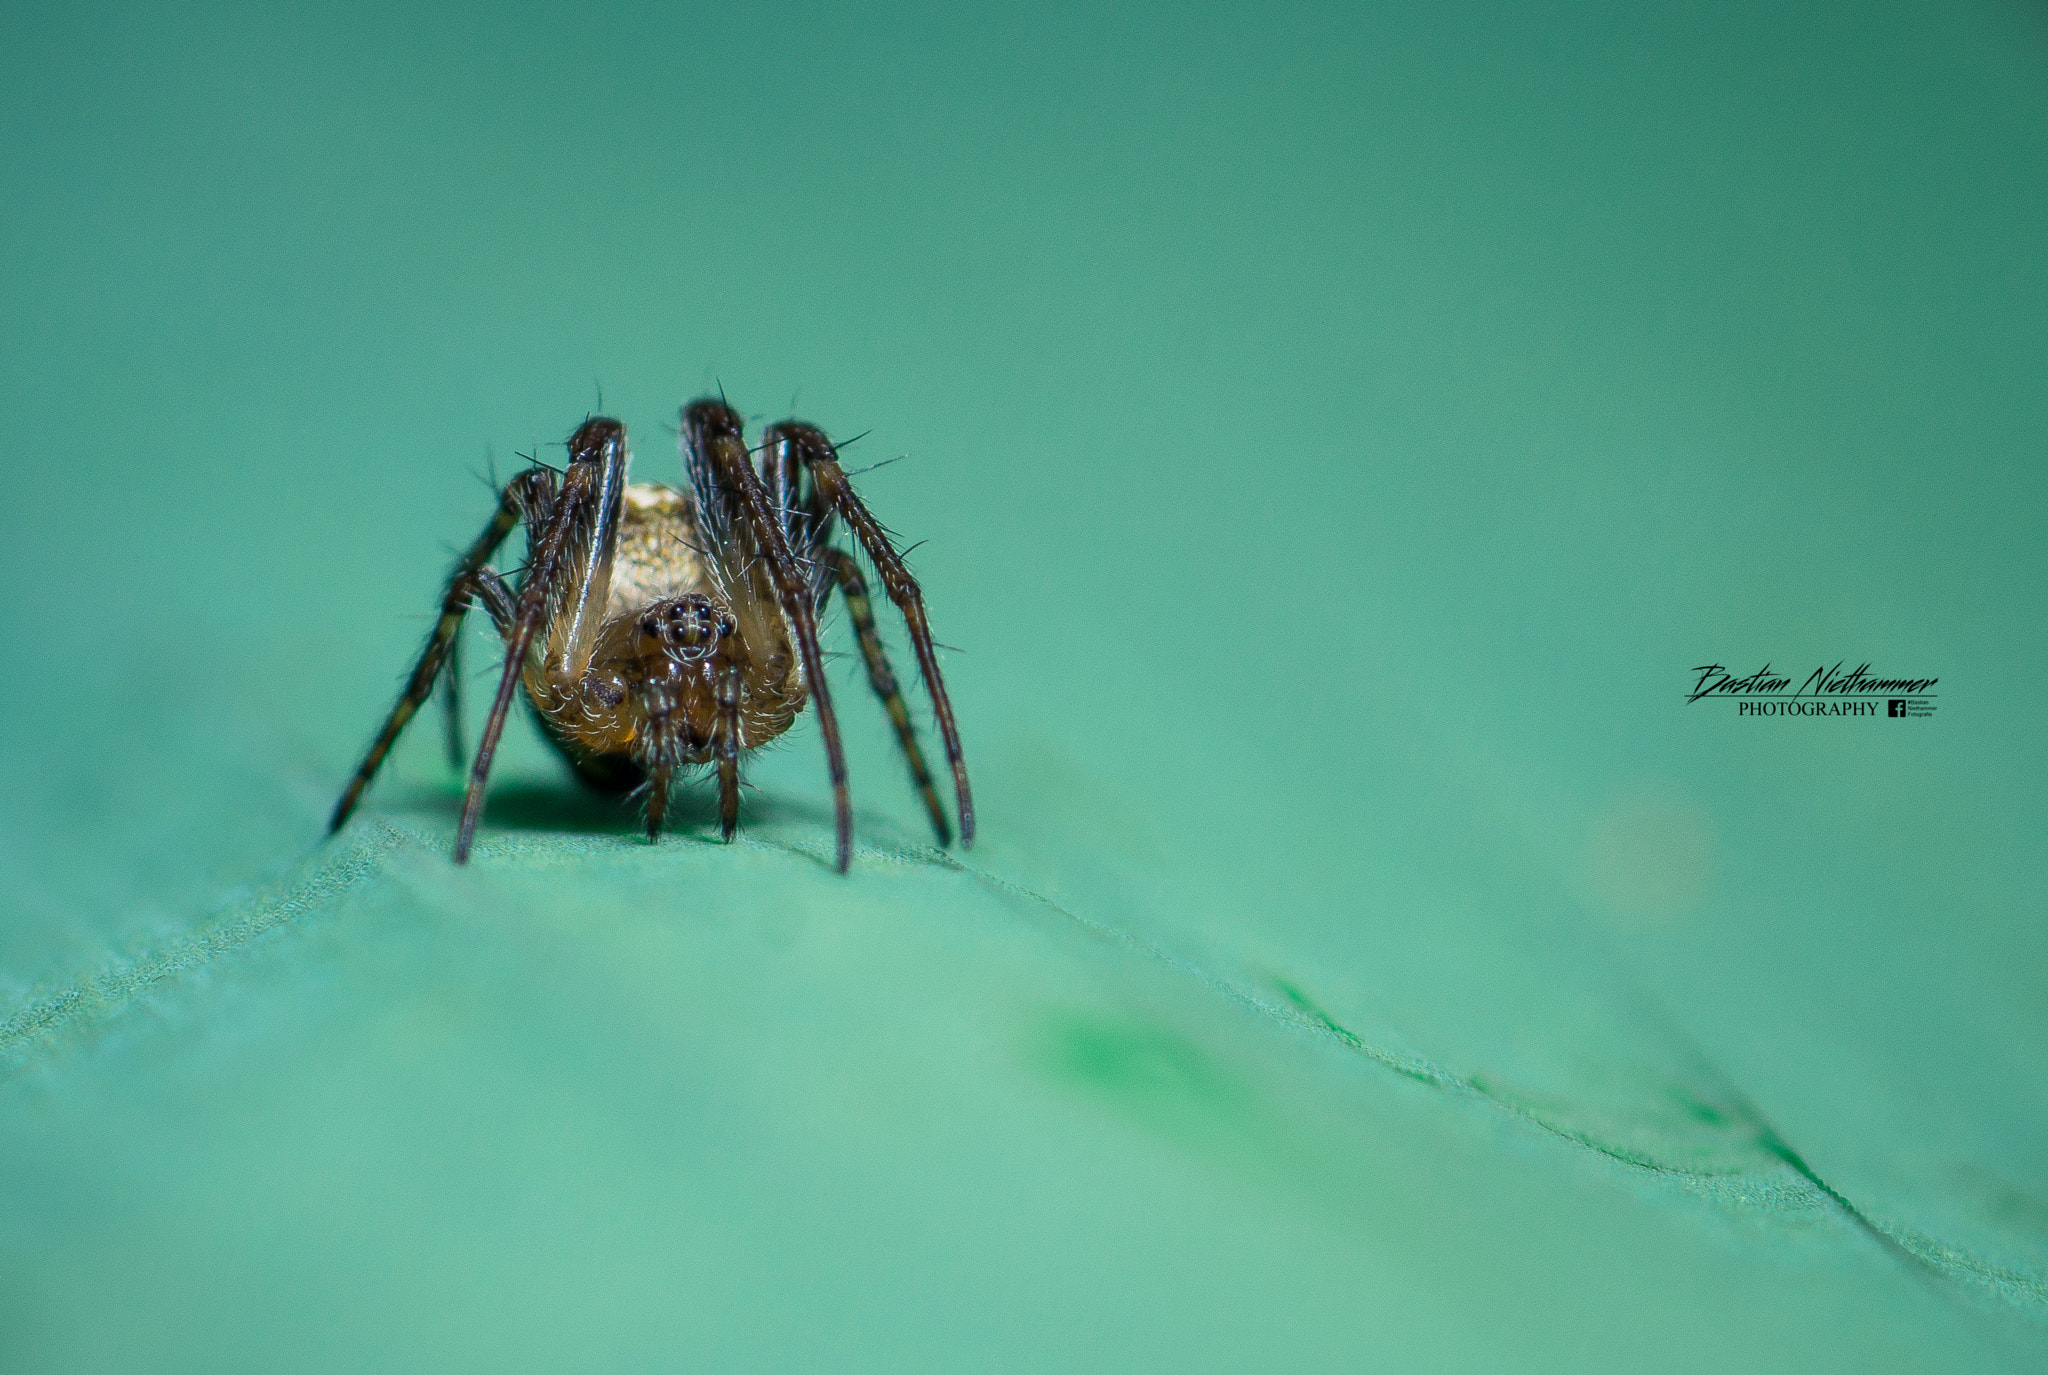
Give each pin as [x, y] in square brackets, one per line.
[656, 630]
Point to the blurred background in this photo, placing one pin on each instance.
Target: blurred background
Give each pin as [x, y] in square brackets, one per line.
[1335, 433]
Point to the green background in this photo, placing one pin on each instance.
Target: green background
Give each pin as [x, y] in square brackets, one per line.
[1337, 433]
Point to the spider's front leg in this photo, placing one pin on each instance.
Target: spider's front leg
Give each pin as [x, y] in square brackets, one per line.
[528, 496]
[714, 443]
[568, 578]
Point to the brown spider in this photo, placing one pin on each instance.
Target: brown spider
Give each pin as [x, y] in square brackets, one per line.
[657, 629]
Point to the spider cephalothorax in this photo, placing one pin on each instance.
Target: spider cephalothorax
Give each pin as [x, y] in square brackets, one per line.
[655, 630]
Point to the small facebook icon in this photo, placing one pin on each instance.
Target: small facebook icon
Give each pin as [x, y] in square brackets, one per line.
[1895, 707]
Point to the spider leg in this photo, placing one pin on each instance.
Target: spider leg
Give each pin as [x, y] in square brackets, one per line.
[714, 441]
[657, 802]
[829, 484]
[783, 479]
[490, 589]
[499, 602]
[854, 588]
[521, 496]
[451, 698]
[580, 531]
[729, 751]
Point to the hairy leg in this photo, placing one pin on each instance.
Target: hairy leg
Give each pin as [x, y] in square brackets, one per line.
[490, 589]
[729, 751]
[854, 588]
[657, 801]
[716, 450]
[451, 698]
[829, 484]
[580, 529]
[523, 494]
